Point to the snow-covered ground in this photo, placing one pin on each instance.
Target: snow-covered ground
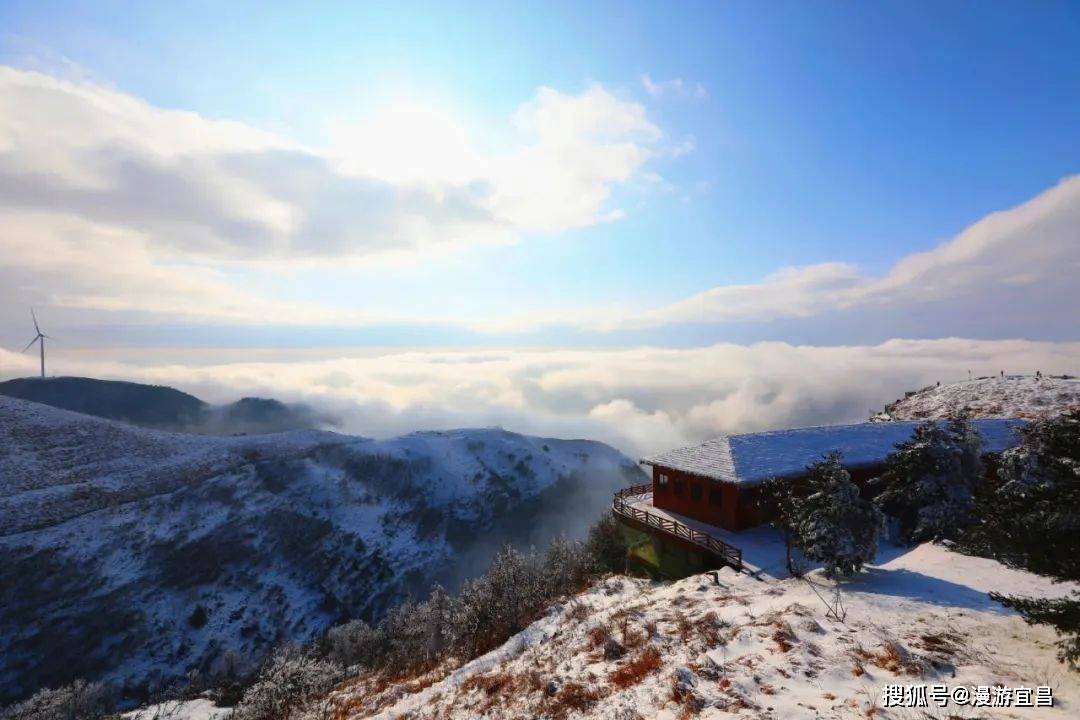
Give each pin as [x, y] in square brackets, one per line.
[753, 649]
[132, 555]
[198, 709]
[1011, 396]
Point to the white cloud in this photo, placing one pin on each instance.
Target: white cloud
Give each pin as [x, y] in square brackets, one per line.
[675, 87]
[642, 399]
[110, 203]
[1024, 260]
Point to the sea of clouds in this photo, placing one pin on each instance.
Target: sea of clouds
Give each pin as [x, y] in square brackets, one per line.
[640, 399]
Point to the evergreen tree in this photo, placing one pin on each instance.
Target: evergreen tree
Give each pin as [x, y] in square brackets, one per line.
[777, 499]
[1031, 518]
[1062, 613]
[832, 524]
[930, 480]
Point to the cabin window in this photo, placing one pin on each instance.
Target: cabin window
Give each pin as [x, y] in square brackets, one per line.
[695, 491]
[661, 480]
[676, 487]
[714, 496]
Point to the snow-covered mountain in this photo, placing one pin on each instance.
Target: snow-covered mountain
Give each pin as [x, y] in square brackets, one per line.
[135, 555]
[741, 647]
[1008, 396]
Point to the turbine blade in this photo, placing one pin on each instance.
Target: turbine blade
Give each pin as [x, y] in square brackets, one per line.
[30, 345]
[36, 328]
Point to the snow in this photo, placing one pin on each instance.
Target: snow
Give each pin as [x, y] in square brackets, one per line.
[1018, 396]
[752, 649]
[275, 536]
[762, 548]
[755, 457]
[199, 709]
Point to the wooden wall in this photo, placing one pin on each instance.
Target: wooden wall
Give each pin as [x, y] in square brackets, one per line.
[722, 504]
[738, 507]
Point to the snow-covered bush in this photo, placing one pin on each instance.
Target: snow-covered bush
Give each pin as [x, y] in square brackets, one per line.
[606, 545]
[500, 602]
[566, 567]
[832, 523]
[77, 701]
[353, 643]
[289, 681]
[417, 635]
[930, 480]
[514, 590]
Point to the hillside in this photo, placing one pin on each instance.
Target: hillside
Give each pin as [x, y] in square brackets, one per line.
[148, 405]
[160, 407]
[746, 648]
[134, 555]
[1011, 396]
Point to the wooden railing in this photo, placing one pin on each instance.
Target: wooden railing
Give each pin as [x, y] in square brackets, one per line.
[622, 506]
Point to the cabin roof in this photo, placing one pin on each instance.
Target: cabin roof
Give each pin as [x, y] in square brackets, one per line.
[755, 457]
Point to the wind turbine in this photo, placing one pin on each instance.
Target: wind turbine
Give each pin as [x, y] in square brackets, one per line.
[39, 338]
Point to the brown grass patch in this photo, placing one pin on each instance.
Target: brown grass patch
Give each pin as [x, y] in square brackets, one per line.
[573, 696]
[710, 628]
[684, 626]
[634, 671]
[598, 635]
[892, 657]
[783, 636]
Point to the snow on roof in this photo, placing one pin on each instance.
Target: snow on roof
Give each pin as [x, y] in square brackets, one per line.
[755, 457]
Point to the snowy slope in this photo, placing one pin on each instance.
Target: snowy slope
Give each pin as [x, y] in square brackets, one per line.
[134, 555]
[751, 649]
[1011, 396]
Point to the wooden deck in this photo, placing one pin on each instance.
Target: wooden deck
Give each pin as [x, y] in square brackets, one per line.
[627, 505]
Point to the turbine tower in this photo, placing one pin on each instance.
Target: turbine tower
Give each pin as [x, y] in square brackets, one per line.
[39, 338]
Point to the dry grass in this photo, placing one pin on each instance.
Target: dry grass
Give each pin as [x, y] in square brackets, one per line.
[598, 635]
[783, 636]
[892, 657]
[572, 697]
[647, 662]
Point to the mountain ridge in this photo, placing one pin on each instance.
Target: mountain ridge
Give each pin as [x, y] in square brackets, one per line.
[133, 555]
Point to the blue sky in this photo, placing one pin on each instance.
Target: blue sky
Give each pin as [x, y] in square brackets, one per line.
[642, 223]
[820, 132]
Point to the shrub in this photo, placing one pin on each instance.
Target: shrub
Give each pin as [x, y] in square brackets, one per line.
[606, 545]
[198, 618]
[287, 683]
[354, 643]
[516, 588]
[499, 603]
[78, 701]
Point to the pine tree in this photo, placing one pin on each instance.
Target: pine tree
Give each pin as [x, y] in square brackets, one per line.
[930, 480]
[1031, 518]
[832, 523]
[777, 498]
[1062, 613]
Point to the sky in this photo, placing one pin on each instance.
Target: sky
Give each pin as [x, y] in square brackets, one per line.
[191, 191]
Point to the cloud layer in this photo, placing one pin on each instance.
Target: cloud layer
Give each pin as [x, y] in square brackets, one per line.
[110, 203]
[1021, 262]
[641, 400]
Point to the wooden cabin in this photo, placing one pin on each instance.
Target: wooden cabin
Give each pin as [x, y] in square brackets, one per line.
[718, 481]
